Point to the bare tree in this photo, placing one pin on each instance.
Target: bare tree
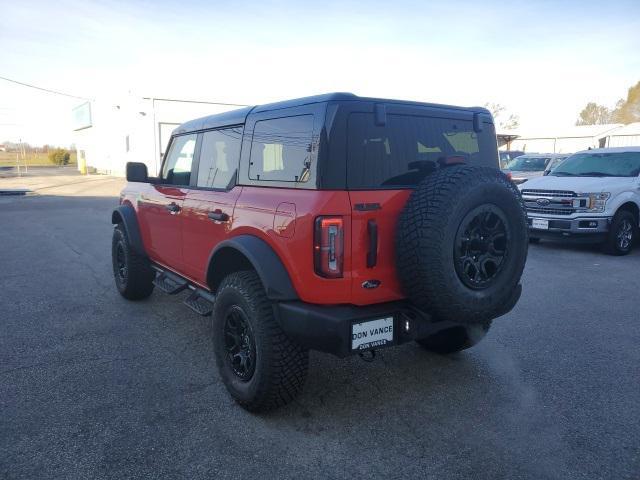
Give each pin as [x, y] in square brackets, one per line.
[594, 114]
[504, 120]
[628, 111]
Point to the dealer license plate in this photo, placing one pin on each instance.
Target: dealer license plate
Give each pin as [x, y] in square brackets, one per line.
[540, 223]
[372, 334]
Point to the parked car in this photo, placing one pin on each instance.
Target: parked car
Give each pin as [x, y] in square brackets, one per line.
[529, 166]
[556, 160]
[334, 223]
[593, 196]
[507, 155]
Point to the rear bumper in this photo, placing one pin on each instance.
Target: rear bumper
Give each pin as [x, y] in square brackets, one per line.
[580, 229]
[328, 328]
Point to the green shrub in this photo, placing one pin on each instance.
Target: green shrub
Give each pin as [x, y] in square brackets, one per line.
[59, 156]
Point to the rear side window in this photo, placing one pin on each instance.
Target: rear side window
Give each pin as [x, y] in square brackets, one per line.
[281, 149]
[406, 149]
[219, 157]
[177, 166]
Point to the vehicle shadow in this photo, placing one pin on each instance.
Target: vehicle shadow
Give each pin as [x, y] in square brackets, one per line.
[560, 246]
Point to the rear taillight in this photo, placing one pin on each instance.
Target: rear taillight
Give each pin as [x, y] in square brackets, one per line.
[328, 246]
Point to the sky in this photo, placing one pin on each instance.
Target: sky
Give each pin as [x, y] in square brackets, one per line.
[542, 60]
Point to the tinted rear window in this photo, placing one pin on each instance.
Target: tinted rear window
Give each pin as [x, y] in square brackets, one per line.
[402, 152]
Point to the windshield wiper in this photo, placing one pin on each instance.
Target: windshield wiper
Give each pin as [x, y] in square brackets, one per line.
[562, 174]
[596, 174]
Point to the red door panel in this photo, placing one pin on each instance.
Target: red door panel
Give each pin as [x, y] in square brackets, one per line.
[201, 234]
[160, 216]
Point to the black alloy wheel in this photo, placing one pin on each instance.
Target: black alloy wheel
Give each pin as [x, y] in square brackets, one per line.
[481, 246]
[121, 262]
[239, 343]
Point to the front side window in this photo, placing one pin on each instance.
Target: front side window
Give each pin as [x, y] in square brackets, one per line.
[219, 157]
[613, 164]
[281, 149]
[407, 148]
[177, 166]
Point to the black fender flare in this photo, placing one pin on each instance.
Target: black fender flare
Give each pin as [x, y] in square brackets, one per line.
[126, 215]
[264, 260]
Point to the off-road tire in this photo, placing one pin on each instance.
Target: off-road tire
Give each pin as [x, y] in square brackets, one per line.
[428, 230]
[280, 363]
[455, 339]
[136, 283]
[620, 219]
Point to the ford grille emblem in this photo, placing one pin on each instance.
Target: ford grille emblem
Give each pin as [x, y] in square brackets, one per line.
[543, 202]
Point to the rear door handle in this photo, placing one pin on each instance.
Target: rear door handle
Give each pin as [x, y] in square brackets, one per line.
[218, 216]
[173, 208]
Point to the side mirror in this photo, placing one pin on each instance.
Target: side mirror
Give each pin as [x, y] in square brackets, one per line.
[137, 172]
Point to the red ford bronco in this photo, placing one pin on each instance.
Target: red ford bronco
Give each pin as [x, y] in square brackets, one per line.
[332, 223]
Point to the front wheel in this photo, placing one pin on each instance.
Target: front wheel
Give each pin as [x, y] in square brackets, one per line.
[622, 233]
[261, 367]
[132, 273]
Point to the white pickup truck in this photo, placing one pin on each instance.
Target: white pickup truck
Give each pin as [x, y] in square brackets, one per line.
[592, 196]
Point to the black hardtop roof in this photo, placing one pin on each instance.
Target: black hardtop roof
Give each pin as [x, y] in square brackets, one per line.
[239, 116]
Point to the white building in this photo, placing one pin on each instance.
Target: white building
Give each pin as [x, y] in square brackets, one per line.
[111, 132]
[625, 136]
[566, 140]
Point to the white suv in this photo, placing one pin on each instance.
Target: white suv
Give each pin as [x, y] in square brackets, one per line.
[592, 196]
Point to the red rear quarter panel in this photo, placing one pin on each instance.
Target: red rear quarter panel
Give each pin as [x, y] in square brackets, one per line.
[257, 213]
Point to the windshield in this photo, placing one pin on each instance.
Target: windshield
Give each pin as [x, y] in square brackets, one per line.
[555, 162]
[528, 164]
[509, 155]
[618, 164]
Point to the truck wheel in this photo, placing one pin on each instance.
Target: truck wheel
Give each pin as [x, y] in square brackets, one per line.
[261, 367]
[622, 233]
[462, 243]
[454, 339]
[132, 272]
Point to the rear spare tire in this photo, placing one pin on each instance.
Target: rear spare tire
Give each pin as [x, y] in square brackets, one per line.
[461, 244]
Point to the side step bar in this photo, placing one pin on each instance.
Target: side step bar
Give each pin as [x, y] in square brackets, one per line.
[200, 301]
[169, 282]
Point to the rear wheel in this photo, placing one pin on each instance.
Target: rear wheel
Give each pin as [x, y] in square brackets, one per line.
[261, 367]
[132, 272]
[454, 339]
[622, 233]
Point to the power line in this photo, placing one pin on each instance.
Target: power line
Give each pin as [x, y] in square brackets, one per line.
[42, 89]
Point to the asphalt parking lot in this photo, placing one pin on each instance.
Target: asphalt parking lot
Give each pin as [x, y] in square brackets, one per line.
[93, 386]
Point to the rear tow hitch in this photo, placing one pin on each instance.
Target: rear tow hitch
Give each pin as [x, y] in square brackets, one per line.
[367, 355]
